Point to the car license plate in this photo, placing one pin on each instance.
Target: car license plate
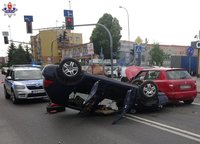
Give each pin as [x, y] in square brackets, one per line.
[185, 86]
[37, 91]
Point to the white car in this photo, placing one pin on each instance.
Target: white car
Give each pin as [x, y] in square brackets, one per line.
[23, 82]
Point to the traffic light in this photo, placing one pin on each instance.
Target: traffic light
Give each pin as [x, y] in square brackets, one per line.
[6, 41]
[69, 23]
[64, 35]
[29, 27]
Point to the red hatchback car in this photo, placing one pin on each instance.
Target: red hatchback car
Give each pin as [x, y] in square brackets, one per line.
[176, 83]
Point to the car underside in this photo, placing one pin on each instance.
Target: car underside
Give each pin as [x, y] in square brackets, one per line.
[62, 82]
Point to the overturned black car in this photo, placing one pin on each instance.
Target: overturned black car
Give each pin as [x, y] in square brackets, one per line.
[63, 81]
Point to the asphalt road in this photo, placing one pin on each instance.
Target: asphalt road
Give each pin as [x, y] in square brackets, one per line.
[28, 123]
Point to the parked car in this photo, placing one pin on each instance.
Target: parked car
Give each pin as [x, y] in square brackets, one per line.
[176, 83]
[24, 82]
[63, 81]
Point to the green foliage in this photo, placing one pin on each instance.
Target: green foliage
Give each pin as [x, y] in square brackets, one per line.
[100, 37]
[157, 55]
[18, 55]
[11, 51]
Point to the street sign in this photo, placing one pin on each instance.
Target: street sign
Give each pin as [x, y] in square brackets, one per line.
[138, 40]
[5, 33]
[68, 13]
[198, 44]
[195, 44]
[90, 48]
[138, 48]
[28, 18]
[190, 51]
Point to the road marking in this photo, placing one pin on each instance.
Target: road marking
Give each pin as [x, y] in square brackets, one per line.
[174, 130]
[196, 103]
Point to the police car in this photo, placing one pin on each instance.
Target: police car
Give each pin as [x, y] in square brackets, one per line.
[24, 82]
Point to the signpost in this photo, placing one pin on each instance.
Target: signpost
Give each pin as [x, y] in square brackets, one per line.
[138, 50]
[190, 52]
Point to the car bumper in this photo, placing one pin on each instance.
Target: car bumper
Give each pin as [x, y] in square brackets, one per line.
[31, 94]
[181, 96]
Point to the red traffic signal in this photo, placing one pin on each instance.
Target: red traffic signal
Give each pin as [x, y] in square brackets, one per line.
[69, 20]
[69, 23]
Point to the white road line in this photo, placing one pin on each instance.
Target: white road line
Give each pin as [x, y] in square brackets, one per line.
[196, 103]
[174, 130]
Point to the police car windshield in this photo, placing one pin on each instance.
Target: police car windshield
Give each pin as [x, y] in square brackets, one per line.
[28, 75]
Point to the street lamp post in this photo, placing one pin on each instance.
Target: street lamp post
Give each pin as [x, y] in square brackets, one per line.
[128, 22]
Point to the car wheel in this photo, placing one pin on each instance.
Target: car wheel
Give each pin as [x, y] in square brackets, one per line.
[188, 101]
[14, 99]
[7, 96]
[69, 69]
[148, 89]
[137, 82]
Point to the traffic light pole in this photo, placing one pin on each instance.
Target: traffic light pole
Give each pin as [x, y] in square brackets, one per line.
[111, 42]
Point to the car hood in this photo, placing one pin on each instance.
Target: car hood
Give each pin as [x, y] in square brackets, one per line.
[132, 71]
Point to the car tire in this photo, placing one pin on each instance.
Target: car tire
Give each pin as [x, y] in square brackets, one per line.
[7, 96]
[69, 69]
[148, 89]
[137, 82]
[188, 101]
[14, 99]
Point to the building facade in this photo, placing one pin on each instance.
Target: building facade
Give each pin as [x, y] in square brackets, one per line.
[126, 53]
[171, 50]
[47, 45]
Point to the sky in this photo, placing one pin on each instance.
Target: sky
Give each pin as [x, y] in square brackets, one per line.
[170, 22]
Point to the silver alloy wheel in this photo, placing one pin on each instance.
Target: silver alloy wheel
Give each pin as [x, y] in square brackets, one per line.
[70, 69]
[149, 90]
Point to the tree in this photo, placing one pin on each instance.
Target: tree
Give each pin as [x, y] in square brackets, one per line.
[28, 54]
[11, 50]
[100, 37]
[18, 55]
[157, 55]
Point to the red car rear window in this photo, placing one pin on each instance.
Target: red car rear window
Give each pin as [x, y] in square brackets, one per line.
[178, 74]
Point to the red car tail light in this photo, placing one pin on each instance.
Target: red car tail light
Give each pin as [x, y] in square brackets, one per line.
[47, 83]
